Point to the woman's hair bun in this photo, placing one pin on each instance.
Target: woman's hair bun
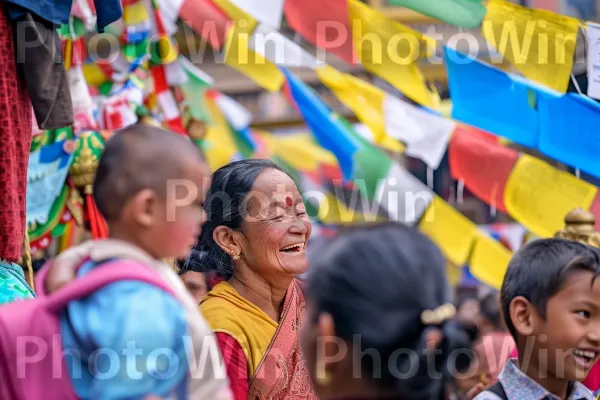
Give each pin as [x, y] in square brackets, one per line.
[453, 356]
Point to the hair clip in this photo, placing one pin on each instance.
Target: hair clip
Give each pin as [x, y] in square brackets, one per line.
[439, 315]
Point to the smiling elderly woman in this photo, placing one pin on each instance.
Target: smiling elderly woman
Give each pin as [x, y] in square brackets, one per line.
[255, 239]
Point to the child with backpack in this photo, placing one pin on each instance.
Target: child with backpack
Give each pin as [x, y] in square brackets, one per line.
[551, 305]
[125, 326]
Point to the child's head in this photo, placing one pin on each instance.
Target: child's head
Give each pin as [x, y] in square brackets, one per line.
[382, 289]
[551, 305]
[150, 185]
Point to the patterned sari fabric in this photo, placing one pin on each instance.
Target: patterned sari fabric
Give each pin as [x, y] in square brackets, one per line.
[275, 366]
[12, 284]
[282, 373]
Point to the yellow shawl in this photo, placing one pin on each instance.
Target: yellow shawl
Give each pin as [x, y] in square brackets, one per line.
[228, 312]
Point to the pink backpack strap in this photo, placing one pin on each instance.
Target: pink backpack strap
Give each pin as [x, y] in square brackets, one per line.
[113, 271]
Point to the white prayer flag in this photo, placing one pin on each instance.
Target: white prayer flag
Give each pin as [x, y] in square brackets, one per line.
[266, 11]
[593, 57]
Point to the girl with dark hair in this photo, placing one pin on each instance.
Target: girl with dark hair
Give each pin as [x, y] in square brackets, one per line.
[379, 322]
[255, 239]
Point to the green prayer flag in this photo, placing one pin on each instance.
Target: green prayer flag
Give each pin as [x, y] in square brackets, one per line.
[463, 13]
[195, 90]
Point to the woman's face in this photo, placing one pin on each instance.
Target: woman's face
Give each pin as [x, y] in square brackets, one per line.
[276, 227]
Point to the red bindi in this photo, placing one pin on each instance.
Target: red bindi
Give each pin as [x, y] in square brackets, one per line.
[288, 201]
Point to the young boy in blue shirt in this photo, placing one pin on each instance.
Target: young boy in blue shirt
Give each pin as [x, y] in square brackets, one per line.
[130, 339]
[551, 305]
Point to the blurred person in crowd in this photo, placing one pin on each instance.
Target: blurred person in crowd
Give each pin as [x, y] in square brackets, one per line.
[467, 308]
[471, 378]
[379, 322]
[195, 281]
[496, 342]
[255, 239]
[132, 196]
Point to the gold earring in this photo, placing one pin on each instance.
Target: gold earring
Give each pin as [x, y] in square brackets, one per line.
[236, 257]
[323, 377]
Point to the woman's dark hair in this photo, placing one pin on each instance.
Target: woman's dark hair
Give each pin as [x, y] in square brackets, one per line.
[225, 205]
[376, 281]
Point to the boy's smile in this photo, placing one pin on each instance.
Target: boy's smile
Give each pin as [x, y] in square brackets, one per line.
[572, 328]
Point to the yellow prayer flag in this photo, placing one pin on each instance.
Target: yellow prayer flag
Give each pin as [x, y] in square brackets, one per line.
[446, 108]
[333, 211]
[391, 50]
[539, 43]
[94, 75]
[449, 229]
[364, 99]
[489, 260]
[539, 196]
[453, 273]
[220, 147]
[239, 57]
[135, 13]
[302, 153]
[235, 13]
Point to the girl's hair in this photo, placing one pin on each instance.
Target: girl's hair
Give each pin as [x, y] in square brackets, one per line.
[225, 205]
[376, 281]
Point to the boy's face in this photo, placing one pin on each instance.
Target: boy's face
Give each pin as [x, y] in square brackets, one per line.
[570, 333]
[181, 215]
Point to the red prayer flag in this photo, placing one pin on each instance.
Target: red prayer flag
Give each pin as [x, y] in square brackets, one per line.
[326, 24]
[482, 163]
[595, 209]
[207, 20]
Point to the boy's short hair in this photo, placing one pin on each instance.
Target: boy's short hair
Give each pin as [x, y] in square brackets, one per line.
[538, 271]
[136, 158]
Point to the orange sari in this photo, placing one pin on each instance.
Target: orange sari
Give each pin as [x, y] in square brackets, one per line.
[276, 367]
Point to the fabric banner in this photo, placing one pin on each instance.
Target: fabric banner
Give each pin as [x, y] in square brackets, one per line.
[539, 196]
[426, 134]
[195, 90]
[300, 151]
[463, 13]
[329, 132]
[450, 230]
[268, 12]
[569, 130]
[593, 59]
[207, 20]
[492, 100]
[477, 159]
[391, 59]
[239, 57]
[280, 50]
[539, 43]
[325, 24]
[489, 260]
[236, 114]
[404, 197]
[365, 100]
[218, 144]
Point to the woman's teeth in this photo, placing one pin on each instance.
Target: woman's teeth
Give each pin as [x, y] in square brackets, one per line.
[294, 248]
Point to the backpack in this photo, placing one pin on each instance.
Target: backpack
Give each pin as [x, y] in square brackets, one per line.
[31, 363]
